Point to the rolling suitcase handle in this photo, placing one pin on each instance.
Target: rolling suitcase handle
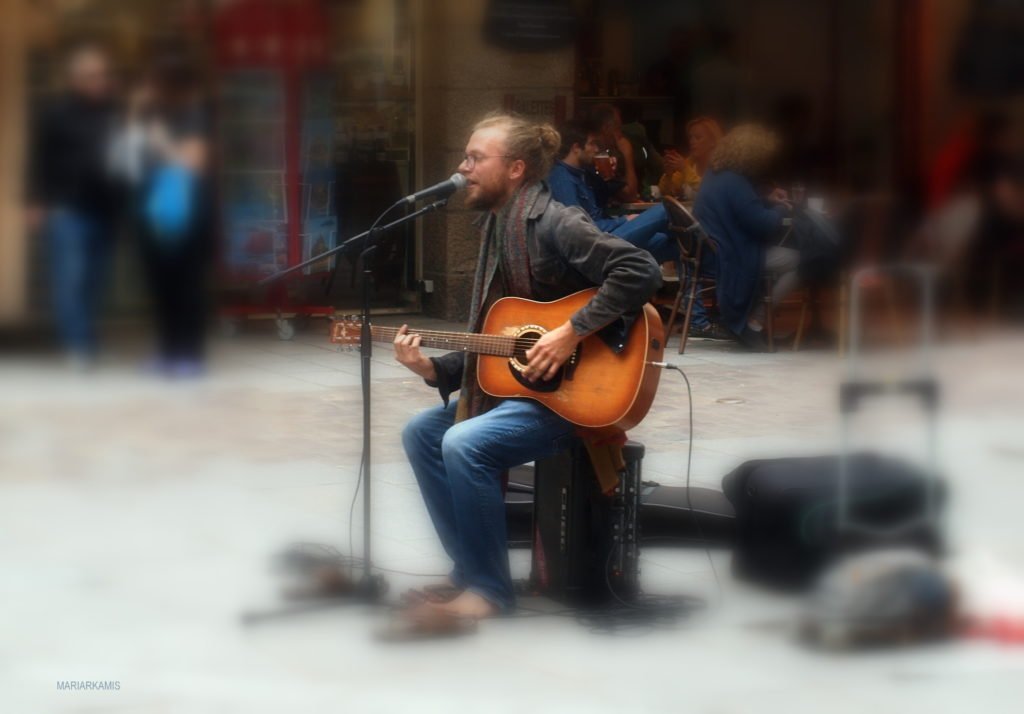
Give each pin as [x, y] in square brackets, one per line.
[856, 387]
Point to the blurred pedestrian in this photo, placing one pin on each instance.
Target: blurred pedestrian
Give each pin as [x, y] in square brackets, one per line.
[72, 196]
[167, 147]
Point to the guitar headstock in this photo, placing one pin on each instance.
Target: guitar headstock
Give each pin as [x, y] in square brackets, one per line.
[346, 331]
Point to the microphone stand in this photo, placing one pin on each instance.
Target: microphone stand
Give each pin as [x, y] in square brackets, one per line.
[370, 588]
[356, 240]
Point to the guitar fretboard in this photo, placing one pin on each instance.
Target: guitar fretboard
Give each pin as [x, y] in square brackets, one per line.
[497, 345]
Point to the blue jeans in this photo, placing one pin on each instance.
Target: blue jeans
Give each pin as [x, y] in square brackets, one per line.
[459, 467]
[649, 231]
[79, 253]
[709, 269]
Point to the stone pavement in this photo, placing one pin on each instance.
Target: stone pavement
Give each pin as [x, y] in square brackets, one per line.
[139, 517]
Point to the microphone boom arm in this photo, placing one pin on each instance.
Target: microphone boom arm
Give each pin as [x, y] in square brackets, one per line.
[354, 241]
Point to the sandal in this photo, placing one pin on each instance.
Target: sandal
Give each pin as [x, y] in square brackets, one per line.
[426, 622]
[439, 593]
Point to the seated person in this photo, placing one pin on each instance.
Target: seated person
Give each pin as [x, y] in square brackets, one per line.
[569, 186]
[608, 125]
[647, 162]
[742, 223]
[683, 173]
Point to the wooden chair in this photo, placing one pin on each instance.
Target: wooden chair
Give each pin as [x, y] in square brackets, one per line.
[693, 244]
[802, 297]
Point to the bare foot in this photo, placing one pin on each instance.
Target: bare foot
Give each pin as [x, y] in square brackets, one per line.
[445, 584]
[470, 605]
[434, 593]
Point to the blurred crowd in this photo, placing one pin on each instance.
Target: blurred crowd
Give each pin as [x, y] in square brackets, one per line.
[759, 193]
[105, 157]
[974, 229]
[132, 157]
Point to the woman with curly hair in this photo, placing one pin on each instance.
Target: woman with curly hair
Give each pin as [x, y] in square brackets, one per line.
[741, 222]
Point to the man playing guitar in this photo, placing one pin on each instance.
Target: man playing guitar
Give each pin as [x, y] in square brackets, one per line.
[531, 247]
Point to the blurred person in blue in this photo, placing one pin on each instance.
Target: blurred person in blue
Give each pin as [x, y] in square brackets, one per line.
[164, 150]
[742, 221]
[569, 184]
[681, 180]
[72, 196]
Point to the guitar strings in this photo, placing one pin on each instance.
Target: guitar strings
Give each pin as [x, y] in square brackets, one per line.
[498, 345]
[501, 342]
[458, 336]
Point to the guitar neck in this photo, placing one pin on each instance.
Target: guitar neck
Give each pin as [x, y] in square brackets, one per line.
[497, 345]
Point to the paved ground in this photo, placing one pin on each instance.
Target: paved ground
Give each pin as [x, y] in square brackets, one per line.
[139, 517]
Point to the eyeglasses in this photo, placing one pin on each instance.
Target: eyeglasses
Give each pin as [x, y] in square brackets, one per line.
[471, 160]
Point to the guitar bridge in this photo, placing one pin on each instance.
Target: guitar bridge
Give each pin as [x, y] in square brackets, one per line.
[569, 368]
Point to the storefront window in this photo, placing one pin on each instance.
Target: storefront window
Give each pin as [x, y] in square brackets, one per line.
[312, 113]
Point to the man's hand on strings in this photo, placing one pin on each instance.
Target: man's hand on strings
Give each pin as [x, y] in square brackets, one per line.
[550, 352]
[407, 352]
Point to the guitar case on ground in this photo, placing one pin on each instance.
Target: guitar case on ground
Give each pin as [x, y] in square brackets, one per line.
[795, 516]
[787, 513]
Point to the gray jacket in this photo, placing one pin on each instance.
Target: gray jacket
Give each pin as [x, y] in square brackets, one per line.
[568, 253]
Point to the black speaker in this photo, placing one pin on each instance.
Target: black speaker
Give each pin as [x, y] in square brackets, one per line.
[585, 543]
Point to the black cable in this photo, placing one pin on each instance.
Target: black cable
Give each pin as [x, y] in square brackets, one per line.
[648, 610]
[352, 507]
[364, 456]
[689, 462]
[642, 614]
[351, 561]
[305, 556]
[406, 572]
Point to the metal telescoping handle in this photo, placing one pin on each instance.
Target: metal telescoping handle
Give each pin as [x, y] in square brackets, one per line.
[925, 278]
[856, 387]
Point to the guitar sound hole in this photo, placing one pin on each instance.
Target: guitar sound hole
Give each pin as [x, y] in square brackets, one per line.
[518, 362]
[520, 354]
[523, 344]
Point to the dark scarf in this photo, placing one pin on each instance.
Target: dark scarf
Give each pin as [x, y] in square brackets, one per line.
[502, 270]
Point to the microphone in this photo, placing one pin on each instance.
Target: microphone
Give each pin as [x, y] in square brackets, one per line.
[444, 189]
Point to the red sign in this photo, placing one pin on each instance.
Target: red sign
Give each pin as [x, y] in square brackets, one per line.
[260, 33]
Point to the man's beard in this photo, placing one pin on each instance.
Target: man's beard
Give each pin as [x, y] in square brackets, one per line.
[483, 200]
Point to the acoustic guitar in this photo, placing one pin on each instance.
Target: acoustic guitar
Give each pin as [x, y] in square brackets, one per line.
[596, 388]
